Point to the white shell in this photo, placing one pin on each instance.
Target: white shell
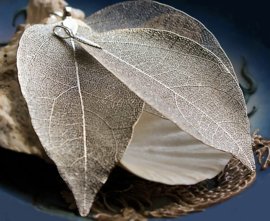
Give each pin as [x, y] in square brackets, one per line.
[160, 151]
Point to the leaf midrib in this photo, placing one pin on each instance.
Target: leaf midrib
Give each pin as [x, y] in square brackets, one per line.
[180, 97]
[83, 119]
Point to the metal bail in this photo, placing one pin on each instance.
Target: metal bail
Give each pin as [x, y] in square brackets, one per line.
[70, 34]
[59, 28]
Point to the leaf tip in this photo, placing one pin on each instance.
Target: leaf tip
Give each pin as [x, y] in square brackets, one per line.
[84, 209]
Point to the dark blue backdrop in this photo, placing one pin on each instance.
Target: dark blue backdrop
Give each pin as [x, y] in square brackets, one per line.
[242, 29]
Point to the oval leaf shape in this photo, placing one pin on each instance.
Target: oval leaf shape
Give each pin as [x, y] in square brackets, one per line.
[183, 81]
[151, 14]
[83, 115]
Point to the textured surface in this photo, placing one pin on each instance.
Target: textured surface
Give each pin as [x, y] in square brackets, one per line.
[151, 14]
[183, 81]
[160, 151]
[82, 114]
[16, 130]
[234, 46]
[155, 200]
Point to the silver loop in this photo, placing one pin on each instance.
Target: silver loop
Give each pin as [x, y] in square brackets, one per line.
[67, 30]
[71, 35]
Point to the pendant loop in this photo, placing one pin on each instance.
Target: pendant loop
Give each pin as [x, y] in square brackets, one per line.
[70, 34]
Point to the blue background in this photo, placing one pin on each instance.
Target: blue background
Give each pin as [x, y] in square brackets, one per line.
[242, 29]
